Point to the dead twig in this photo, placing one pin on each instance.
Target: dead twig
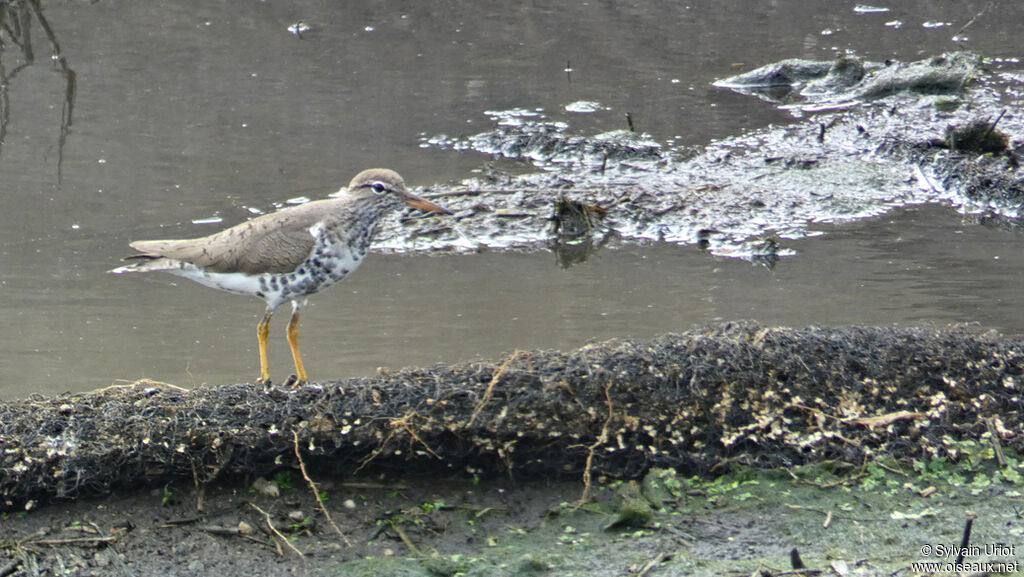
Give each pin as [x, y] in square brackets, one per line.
[828, 513]
[891, 469]
[658, 560]
[402, 422]
[490, 387]
[316, 491]
[96, 541]
[200, 489]
[812, 410]
[973, 18]
[397, 486]
[601, 439]
[685, 537]
[141, 383]
[221, 531]
[997, 447]
[180, 522]
[405, 539]
[233, 532]
[373, 454]
[992, 126]
[884, 420]
[270, 523]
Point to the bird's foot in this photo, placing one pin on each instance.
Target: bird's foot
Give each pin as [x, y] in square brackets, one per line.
[293, 382]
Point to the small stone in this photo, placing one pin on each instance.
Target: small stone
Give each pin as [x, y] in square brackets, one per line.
[101, 559]
[634, 510]
[296, 516]
[266, 488]
[349, 504]
[657, 485]
[196, 567]
[245, 528]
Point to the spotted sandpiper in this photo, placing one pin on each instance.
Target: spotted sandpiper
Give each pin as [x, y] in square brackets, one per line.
[287, 255]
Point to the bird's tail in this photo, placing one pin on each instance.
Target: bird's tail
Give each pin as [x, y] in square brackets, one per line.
[146, 263]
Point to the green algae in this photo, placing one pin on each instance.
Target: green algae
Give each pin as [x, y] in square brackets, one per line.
[876, 519]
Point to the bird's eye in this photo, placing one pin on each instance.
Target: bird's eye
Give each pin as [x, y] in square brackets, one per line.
[379, 188]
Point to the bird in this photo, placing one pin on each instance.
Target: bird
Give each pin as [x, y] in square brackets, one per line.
[285, 256]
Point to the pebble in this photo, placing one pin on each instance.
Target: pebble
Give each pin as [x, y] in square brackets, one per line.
[266, 488]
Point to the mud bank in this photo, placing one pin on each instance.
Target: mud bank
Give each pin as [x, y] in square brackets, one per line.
[696, 402]
[716, 451]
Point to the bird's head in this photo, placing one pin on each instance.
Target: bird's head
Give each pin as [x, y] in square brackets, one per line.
[389, 187]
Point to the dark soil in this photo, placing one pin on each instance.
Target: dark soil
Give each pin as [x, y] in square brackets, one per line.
[869, 520]
[161, 531]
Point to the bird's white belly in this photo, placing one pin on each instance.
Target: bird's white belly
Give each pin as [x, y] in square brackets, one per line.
[315, 274]
[235, 282]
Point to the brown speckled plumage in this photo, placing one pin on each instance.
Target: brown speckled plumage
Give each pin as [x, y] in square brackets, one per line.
[287, 255]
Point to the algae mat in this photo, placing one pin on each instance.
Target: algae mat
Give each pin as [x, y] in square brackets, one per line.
[876, 520]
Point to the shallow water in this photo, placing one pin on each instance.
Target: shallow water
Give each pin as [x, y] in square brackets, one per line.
[924, 265]
[184, 113]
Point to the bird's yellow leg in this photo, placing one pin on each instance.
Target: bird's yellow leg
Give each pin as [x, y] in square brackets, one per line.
[293, 342]
[262, 332]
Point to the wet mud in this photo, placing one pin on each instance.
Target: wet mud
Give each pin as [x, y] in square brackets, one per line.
[833, 519]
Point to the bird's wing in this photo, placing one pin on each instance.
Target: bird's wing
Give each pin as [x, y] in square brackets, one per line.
[276, 243]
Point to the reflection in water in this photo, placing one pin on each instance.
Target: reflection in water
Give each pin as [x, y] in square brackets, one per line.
[16, 28]
[573, 219]
[569, 253]
[765, 251]
[574, 224]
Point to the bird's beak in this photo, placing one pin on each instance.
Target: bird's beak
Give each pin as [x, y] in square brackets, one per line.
[423, 204]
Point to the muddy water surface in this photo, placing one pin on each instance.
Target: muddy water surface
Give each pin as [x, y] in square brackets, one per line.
[173, 119]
